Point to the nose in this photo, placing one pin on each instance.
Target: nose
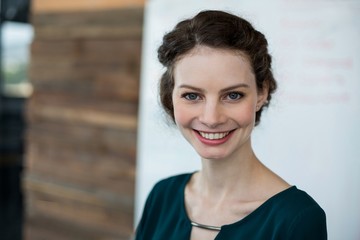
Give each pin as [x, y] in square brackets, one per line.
[212, 115]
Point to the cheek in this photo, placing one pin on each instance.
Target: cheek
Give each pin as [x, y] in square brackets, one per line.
[182, 114]
[246, 116]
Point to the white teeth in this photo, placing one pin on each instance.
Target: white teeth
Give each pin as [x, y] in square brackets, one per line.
[214, 136]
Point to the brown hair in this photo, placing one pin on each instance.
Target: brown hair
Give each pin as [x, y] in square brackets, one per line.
[215, 29]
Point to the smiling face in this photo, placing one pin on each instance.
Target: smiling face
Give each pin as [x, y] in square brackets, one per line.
[215, 100]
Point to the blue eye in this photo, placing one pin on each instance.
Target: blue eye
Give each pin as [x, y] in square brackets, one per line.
[191, 96]
[234, 96]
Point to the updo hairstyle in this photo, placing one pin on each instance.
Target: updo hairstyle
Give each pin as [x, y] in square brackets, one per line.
[216, 29]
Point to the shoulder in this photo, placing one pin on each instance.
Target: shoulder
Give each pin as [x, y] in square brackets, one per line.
[165, 196]
[180, 179]
[303, 215]
[169, 187]
[168, 184]
[293, 201]
[163, 208]
[296, 199]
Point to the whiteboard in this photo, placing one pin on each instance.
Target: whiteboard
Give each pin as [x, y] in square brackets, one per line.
[310, 135]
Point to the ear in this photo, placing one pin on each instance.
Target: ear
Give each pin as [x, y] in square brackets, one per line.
[262, 96]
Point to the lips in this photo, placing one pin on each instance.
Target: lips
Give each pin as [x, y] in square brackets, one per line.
[214, 138]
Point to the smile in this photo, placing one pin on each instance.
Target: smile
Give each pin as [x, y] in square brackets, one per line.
[214, 136]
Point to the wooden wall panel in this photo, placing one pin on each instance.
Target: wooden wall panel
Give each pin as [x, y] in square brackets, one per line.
[82, 120]
[94, 24]
[39, 6]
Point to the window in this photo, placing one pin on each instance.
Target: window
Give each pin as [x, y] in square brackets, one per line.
[16, 39]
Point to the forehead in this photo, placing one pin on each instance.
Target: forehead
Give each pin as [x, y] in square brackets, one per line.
[204, 64]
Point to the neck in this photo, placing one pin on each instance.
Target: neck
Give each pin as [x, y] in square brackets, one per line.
[221, 177]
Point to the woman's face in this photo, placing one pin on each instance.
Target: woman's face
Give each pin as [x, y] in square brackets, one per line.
[215, 100]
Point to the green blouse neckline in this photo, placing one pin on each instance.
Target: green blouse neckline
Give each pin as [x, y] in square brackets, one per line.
[249, 216]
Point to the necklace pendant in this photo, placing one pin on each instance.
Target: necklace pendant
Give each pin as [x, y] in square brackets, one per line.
[206, 227]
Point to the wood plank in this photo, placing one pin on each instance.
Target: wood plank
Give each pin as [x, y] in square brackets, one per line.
[115, 180]
[39, 184]
[123, 23]
[92, 68]
[84, 116]
[90, 209]
[126, 51]
[45, 228]
[66, 99]
[82, 139]
[90, 169]
[116, 117]
[42, 227]
[113, 18]
[116, 86]
[50, 33]
[40, 6]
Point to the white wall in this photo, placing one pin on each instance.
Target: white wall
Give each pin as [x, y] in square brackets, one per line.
[310, 135]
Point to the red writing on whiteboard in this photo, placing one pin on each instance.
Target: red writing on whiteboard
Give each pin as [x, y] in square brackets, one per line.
[310, 99]
[335, 63]
[300, 23]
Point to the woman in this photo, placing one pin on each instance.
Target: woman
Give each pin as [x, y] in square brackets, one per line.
[217, 82]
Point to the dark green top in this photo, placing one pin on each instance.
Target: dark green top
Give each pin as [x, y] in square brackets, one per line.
[290, 214]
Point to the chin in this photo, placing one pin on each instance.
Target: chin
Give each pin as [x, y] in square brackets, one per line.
[209, 156]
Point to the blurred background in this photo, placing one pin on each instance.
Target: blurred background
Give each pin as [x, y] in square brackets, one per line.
[68, 113]
[82, 141]
[15, 38]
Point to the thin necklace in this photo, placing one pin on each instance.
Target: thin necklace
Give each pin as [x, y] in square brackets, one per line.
[207, 227]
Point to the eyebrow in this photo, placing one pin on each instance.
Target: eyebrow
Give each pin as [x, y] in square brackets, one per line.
[240, 85]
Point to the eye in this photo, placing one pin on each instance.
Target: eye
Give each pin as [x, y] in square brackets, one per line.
[191, 96]
[234, 96]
